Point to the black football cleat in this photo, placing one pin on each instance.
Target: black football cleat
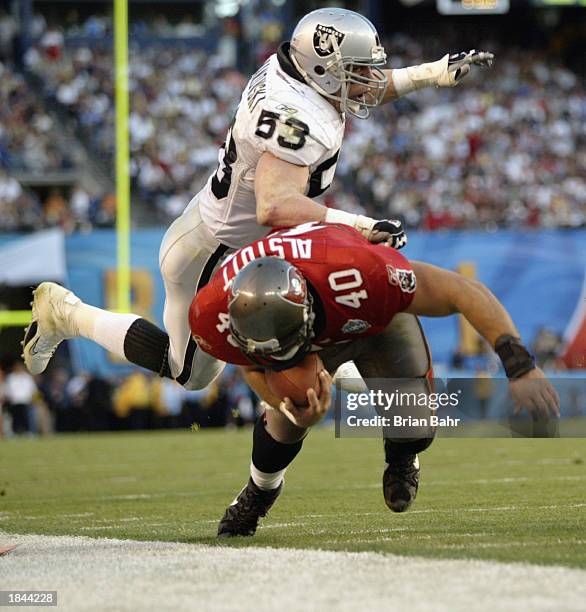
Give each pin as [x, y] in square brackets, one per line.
[241, 516]
[400, 482]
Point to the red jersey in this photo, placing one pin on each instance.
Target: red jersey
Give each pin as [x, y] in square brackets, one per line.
[361, 286]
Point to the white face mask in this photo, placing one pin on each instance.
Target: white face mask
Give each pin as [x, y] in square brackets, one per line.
[342, 74]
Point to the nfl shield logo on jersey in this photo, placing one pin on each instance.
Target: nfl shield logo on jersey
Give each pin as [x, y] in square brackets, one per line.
[322, 42]
[355, 326]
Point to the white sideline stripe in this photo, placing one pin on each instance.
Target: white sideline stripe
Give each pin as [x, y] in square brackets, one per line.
[124, 575]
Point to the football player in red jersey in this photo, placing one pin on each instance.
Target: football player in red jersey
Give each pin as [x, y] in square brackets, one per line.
[324, 287]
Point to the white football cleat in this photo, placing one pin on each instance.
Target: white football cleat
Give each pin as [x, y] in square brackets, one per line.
[349, 378]
[51, 323]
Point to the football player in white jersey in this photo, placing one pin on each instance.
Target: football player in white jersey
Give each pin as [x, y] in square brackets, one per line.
[280, 153]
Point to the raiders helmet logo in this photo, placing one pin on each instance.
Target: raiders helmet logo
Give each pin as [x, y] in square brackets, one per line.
[322, 42]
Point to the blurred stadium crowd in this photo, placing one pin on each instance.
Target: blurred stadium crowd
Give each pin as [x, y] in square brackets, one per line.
[61, 402]
[506, 149]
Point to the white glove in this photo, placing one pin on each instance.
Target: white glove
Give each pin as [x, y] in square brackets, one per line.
[446, 72]
[459, 66]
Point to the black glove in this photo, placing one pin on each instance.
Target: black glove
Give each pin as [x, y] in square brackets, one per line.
[390, 232]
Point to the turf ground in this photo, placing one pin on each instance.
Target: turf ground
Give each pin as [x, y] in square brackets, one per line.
[494, 499]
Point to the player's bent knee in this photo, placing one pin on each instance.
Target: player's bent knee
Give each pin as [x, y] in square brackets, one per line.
[173, 267]
[197, 383]
[194, 385]
[408, 446]
[203, 377]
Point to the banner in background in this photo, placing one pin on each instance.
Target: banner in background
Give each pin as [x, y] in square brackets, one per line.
[538, 275]
[28, 259]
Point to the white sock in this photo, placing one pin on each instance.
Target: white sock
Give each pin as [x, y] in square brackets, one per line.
[265, 481]
[106, 328]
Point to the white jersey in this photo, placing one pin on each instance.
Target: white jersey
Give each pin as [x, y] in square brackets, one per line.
[280, 114]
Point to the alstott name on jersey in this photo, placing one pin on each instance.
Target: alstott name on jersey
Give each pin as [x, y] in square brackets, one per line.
[283, 248]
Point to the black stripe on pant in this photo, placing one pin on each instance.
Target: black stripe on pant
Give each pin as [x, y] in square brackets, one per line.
[204, 279]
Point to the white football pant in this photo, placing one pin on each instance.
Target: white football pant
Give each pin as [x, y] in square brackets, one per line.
[188, 257]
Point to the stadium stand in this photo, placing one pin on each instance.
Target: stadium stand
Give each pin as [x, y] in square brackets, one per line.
[507, 150]
[42, 165]
[515, 158]
[59, 401]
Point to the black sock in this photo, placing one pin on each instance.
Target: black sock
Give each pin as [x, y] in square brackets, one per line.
[268, 455]
[147, 346]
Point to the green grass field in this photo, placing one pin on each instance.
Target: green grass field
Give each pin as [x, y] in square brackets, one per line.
[501, 499]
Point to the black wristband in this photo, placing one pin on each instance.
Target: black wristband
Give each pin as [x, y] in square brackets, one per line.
[516, 359]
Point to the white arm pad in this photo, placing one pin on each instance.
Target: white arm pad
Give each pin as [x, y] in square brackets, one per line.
[363, 224]
[413, 78]
[333, 215]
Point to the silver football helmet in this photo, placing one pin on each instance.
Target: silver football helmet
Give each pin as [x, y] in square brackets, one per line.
[270, 311]
[331, 48]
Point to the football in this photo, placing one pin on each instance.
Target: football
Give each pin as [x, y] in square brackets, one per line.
[294, 382]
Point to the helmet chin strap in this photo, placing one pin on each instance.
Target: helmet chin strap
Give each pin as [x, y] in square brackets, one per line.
[354, 108]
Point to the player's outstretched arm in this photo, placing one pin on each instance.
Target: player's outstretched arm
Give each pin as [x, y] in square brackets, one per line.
[441, 293]
[445, 72]
[279, 188]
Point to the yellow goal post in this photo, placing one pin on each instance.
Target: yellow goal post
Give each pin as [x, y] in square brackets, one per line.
[21, 318]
